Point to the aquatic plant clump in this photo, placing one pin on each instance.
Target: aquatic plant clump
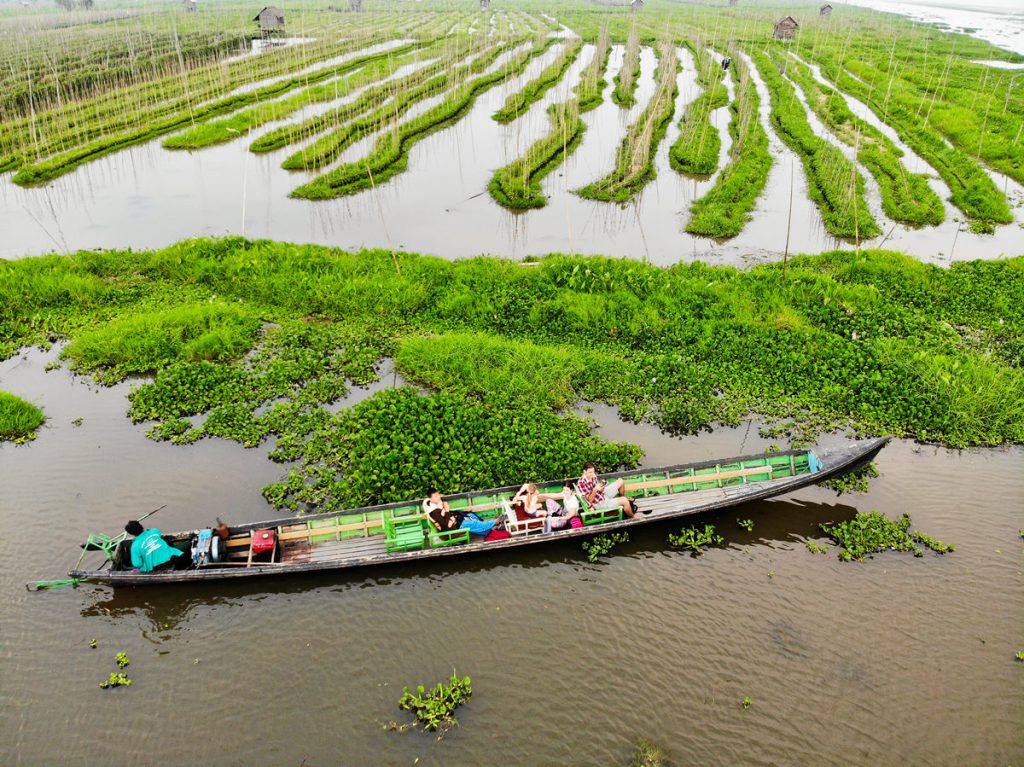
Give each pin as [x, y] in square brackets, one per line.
[871, 532]
[435, 708]
[602, 545]
[18, 419]
[856, 481]
[590, 89]
[648, 754]
[626, 80]
[696, 540]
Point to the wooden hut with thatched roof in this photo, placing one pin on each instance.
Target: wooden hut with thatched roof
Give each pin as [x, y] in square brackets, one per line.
[734, 3]
[356, 6]
[485, 5]
[270, 20]
[785, 28]
[636, 5]
[825, 10]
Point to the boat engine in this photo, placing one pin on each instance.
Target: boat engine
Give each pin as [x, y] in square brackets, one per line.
[206, 548]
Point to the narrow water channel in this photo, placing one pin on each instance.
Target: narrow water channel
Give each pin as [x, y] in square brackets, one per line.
[895, 660]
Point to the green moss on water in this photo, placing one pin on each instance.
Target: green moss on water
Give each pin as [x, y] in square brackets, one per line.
[18, 419]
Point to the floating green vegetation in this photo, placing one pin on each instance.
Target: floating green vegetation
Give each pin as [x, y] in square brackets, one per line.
[517, 103]
[435, 708]
[875, 341]
[590, 88]
[365, 455]
[725, 210]
[747, 702]
[906, 197]
[833, 182]
[122, 660]
[93, 643]
[1020, 655]
[648, 754]
[746, 524]
[856, 481]
[695, 152]
[627, 78]
[602, 545]
[517, 185]
[634, 160]
[390, 153]
[814, 548]
[116, 679]
[871, 532]
[18, 419]
[696, 540]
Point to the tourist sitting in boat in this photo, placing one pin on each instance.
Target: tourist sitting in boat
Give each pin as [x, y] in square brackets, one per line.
[530, 499]
[151, 552]
[443, 518]
[604, 495]
[561, 507]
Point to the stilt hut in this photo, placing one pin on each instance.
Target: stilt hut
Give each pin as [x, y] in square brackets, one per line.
[636, 5]
[826, 10]
[785, 28]
[190, 6]
[356, 6]
[734, 2]
[485, 5]
[270, 21]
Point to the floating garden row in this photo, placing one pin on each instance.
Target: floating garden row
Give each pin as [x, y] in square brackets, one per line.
[517, 103]
[634, 160]
[695, 152]
[833, 182]
[726, 208]
[906, 196]
[390, 153]
[628, 75]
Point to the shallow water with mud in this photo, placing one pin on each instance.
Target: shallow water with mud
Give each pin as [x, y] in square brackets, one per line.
[895, 660]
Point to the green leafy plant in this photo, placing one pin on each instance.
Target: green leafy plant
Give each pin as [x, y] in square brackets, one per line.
[814, 548]
[871, 532]
[747, 702]
[435, 708]
[856, 481]
[648, 754]
[602, 545]
[746, 524]
[121, 659]
[116, 679]
[696, 540]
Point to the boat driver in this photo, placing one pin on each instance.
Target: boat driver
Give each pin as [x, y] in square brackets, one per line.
[151, 552]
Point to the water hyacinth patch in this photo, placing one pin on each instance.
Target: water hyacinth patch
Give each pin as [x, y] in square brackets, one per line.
[872, 532]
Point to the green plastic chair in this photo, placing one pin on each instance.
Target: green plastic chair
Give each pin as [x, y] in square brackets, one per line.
[439, 538]
[404, 534]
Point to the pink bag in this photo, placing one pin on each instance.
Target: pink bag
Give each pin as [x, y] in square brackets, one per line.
[576, 522]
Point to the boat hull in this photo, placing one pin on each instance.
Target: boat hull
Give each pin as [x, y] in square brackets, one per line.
[363, 552]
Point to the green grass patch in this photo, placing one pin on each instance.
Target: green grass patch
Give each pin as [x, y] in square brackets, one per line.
[590, 88]
[18, 419]
[146, 342]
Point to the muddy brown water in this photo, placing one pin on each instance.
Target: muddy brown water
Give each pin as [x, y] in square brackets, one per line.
[895, 660]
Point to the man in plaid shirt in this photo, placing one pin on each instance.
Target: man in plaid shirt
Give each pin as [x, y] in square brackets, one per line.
[600, 495]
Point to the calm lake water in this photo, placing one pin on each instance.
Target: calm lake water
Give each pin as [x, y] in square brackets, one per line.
[892, 661]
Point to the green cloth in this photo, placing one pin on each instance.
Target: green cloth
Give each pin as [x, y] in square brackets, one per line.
[149, 551]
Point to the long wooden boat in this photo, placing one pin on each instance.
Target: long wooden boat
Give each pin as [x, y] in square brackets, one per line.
[397, 532]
